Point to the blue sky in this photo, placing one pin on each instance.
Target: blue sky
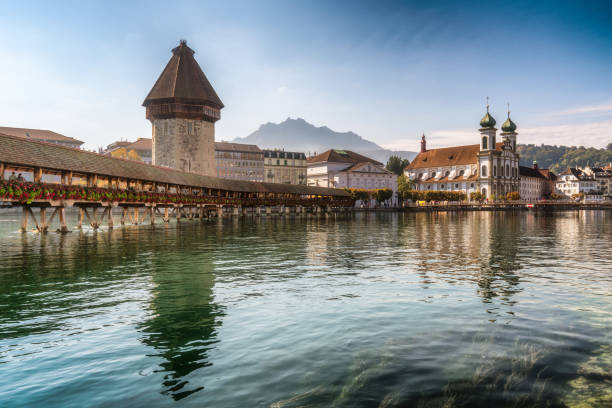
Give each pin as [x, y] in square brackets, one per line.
[385, 70]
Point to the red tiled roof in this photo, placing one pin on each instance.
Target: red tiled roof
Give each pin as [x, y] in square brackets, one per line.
[448, 156]
[183, 79]
[39, 134]
[341, 156]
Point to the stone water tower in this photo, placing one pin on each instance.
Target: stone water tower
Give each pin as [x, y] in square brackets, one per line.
[183, 108]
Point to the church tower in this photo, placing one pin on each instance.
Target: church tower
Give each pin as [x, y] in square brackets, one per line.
[183, 108]
[487, 156]
[509, 131]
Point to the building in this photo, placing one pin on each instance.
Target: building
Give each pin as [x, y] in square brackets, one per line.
[140, 150]
[536, 183]
[284, 167]
[575, 181]
[346, 169]
[603, 177]
[239, 161]
[42, 136]
[490, 167]
[183, 108]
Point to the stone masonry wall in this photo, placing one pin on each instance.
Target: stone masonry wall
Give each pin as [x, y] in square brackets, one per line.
[184, 144]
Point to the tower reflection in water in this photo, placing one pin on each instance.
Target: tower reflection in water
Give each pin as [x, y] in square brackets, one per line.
[184, 318]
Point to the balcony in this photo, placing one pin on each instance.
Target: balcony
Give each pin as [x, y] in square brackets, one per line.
[183, 110]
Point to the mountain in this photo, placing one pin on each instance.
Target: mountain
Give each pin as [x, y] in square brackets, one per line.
[559, 158]
[300, 136]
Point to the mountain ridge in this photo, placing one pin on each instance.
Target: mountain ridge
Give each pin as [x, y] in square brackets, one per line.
[301, 136]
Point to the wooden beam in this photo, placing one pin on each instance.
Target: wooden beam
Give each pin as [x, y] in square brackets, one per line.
[2, 168]
[62, 218]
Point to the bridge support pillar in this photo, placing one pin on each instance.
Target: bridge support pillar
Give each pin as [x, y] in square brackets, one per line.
[268, 210]
[24, 219]
[236, 211]
[152, 215]
[94, 223]
[111, 223]
[287, 210]
[244, 211]
[257, 210]
[166, 215]
[136, 219]
[81, 217]
[62, 220]
[123, 215]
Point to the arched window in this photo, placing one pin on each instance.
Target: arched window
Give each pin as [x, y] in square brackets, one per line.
[494, 171]
[484, 143]
[433, 174]
[447, 173]
[420, 176]
[462, 172]
[484, 191]
[484, 171]
[507, 170]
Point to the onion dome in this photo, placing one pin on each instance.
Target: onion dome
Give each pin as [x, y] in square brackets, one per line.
[487, 121]
[509, 126]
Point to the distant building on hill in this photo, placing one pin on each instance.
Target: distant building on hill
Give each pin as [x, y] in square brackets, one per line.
[284, 167]
[347, 169]
[42, 136]
[239, 161]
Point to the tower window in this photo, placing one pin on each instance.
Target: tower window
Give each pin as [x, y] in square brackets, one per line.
[484, 143]
[484, 171]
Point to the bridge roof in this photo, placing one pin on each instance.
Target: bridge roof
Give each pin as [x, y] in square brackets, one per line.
[25, 153]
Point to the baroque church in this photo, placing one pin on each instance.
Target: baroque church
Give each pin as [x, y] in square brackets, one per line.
[490, 167]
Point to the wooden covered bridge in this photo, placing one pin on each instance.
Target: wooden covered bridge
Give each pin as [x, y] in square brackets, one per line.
[60, 177]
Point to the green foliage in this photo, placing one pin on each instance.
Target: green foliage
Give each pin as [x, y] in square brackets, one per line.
[359, 193]
[555, 196]
[404, 187]
[513, 196]
[559, 158]
[434, 195]
[383, 194]
[396, 165]
[476, 196]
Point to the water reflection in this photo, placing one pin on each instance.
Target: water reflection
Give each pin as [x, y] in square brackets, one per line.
[184, 318]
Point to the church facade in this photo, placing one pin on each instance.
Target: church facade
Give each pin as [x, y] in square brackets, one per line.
[490, 167]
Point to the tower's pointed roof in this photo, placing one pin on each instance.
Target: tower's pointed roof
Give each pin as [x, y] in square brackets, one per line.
[183, 79]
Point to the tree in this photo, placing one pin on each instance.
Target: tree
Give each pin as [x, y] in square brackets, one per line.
[396, 165]
[513, 196]
[383, 194]
[404, 187]
[476, 196]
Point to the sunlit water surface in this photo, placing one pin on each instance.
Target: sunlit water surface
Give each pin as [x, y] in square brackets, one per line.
[379, 310]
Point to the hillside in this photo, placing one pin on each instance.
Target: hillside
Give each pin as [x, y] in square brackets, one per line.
[559, 158]
[299, 135]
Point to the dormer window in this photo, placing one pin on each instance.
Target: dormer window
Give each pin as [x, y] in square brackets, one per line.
[461, 172]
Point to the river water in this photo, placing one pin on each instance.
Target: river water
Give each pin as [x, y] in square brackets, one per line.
[378, 310]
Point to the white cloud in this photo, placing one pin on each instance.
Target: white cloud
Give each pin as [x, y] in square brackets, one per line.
[606, 108]
[597, 134]
[282, 89]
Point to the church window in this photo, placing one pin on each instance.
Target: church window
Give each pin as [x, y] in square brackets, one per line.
[484, 171]
[507, 170]
[456, 185]
[494, 171]
[471, 185]
[484, 191]
[484, 143]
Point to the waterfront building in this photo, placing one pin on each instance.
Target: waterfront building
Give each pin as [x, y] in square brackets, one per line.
[603, 177]
[239, 161]
[42, 136]
[284, 167]
[140, 150]
[183, 108]
[490, 167]
[347, 169]
[576, 181]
